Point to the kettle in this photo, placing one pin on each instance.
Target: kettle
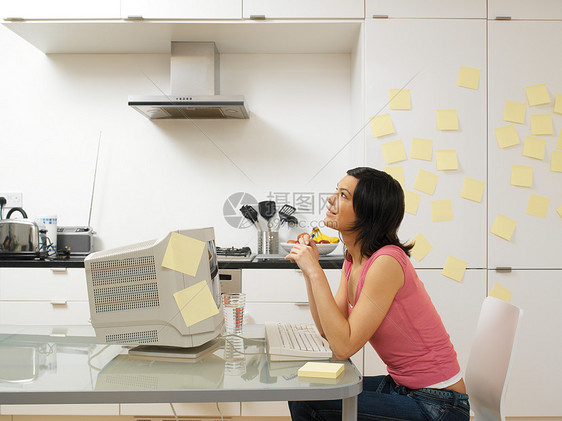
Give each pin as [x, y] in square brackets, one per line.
[21, 238]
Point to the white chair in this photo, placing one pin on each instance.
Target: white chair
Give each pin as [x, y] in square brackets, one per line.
[487, 370]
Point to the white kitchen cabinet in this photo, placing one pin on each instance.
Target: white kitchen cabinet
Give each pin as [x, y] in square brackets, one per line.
[525, 9]
[206, 409]
[304, 9]
[60, 9]
[182, 9]
[426, 8]
[44, 410]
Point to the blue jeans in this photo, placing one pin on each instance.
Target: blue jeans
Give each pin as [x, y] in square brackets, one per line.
[382, 399]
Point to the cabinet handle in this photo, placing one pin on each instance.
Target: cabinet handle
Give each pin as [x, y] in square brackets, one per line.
[59, 302]
[59, 270]
[302, 304]
[257, 17]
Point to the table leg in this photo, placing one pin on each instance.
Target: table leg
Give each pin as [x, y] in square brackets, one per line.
[349, 409]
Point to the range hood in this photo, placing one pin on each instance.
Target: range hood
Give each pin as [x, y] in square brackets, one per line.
[195, 86]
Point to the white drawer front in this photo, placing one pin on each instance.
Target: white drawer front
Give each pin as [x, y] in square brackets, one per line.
[44, 313]
[193, 409]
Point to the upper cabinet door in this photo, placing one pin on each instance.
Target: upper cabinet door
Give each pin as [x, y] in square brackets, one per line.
[425, 57]
[525, 9]
[305, 9]
[182, 9]
[525, 181]
[60, 9]
[426, 8]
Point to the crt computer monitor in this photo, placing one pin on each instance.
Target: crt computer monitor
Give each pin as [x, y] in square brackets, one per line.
[131, 295]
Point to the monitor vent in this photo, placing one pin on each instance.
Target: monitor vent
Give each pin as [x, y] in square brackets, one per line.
[133, 269]
[141, 337]
[126, 297]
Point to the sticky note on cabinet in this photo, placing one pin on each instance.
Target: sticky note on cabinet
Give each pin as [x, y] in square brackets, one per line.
[534, 147]
[556, 161]
[468, 77]
[441, 210]
[421, 149]
[537, 205]
[454, 268]
[400, 99]
[196, 303]
[521, 175]
[421, 247]
[507, 136]
[394, 151]
[426, 182]
[558, 104]
[514, 112]
[503, 227]
[501, 292]
[537, 94]
[396, 172]
[183, 254]
[446, 159]
[321, 370]
[381, 125]
[472, 189]
[411, 201]
[447, 120]
[541, 124]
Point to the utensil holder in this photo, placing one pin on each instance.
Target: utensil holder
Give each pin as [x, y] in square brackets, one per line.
[268, 242]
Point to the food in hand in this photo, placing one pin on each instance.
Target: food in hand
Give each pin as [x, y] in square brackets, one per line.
[317, 237]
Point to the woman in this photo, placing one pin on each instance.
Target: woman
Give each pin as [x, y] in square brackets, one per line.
[380, 300]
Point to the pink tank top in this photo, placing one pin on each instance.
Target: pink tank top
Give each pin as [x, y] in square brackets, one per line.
[411, 340]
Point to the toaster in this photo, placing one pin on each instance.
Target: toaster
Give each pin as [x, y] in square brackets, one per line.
[21, 238]
[79, 241]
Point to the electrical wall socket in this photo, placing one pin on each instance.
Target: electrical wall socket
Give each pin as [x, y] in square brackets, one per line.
[13, 200]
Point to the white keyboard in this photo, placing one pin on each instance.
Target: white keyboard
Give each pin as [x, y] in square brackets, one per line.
[295, 342]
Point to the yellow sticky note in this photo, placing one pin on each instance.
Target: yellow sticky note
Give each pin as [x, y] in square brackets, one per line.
[541, 124]
[421, 149]
[396, 172]
[514, 112]
[556, 161]
[472, 189]
[537, 94]
[507, 136]
[411, 201]
[446, 159]
[521, 175]
[559, 142]
[534, 147]
[183, 254]
[381, 125]
[394, 151]
[503, 227]
[558, 104]
[426, 182]
[559, 210]
[400, 99]
[196, 303]
[454, 268]
[537, 205]
[468, 77]
[441, 210]
[421, 247]
[322, 370]
[501, 292]
[447, 120]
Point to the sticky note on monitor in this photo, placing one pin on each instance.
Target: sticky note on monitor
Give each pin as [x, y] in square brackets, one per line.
[400, 99]
[454, 268]
[472, 189]
[559, 210]
[183, 254]
[503, 227]
[541, 124]
[534, 147]
[468, 77]
[411, 201]
[558, 104]
[537, 205]
[426, 182]
[522, 175]
[421, 149]
[514, 112]
[321, 370]
[421, 247]
[537, 94]
[394, 151]
[507, 136]
[559, 142]
[447, 120]
[196, 303]
[381, 125]
[556, 161]
[446, 159]
[441, 210]
[396, 172]
[501, 292]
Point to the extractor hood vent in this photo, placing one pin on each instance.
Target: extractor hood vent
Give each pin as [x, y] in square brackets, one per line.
[195, 85]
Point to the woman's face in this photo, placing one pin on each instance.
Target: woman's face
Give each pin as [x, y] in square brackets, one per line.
[340, 214]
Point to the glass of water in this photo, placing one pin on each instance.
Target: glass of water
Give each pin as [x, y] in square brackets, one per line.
[233, 308]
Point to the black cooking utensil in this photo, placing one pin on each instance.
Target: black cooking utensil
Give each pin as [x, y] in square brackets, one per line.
[290, 219]
[285, 215]
[250, 213]
[267, 210]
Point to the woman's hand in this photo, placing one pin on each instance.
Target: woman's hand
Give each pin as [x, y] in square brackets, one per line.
[305, 254]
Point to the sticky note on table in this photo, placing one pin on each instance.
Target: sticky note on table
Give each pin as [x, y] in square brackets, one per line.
[426, 182]
[421, 247]
[514, 112]
[394, 151]
[537, 94]
[196, 303]
[521, 175]
[400, 99]
[381, 125]
[396, 172]
[321, 370]
[503, 227]
[446, 159]
[558, 104]
[454, 268]
[441, 210]
[556, 161]
[541, 124]
[534, 147]
[421, 149]
[183, 254]
[501, 292]
[468, 77]
[411, 201]
[472, 189]
[537, 205]
[447, 120]
[507, 136]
